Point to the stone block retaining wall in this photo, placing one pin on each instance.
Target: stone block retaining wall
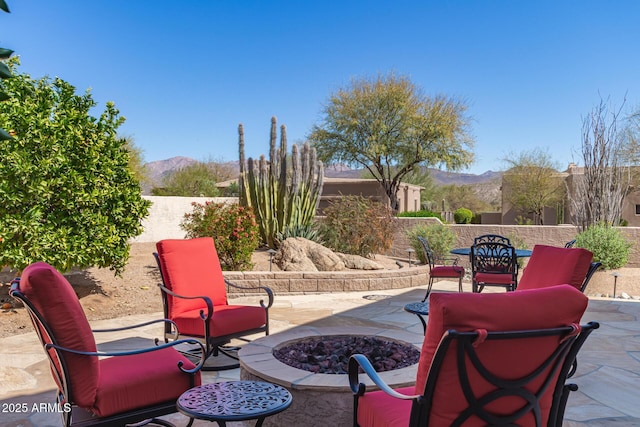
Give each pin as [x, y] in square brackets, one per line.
[166, 214]
[329, 281]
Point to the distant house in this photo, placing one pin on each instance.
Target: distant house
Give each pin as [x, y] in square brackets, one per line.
[408, 194]
[333, 188]
[563, 213]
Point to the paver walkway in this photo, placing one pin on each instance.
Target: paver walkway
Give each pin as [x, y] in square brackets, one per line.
[608, 370]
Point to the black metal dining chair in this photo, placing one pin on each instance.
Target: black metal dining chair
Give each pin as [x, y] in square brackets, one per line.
[493, 264]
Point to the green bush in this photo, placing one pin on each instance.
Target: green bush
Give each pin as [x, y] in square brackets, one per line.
[441, 239]
[523, 220]
[233, 228]
[518, 243]
[462, 216]
[420, 214]
[358, 225]
[607, 244]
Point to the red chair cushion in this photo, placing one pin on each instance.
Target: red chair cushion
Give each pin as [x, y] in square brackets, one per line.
[226, 319]
[52, 295]
[447, 271]
[141, 380]
[550, 266]
[378, 409]
[191, 267]
[529, 309]
[494, 278]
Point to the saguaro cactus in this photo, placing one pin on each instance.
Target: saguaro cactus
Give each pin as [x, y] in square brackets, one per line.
[284, 194]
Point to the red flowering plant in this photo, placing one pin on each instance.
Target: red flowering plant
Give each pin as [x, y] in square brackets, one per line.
[233, 228]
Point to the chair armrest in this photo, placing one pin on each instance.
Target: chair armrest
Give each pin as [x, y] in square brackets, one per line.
[357, 361]
[268, 291]
[453, 260]
[205, 298]
[139, 325]
[140, 351]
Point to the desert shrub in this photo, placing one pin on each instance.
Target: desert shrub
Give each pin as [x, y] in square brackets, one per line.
[462, 216]
[607, 244]
[357, 225]
[233, 228]
[441, 239]
[518, 243]
[523, 220]
[420, 214]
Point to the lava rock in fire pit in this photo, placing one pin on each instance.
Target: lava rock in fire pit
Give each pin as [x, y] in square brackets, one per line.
[330, 354]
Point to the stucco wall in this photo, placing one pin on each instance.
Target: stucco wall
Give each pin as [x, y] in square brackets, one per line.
[554, 235]
[166, 214]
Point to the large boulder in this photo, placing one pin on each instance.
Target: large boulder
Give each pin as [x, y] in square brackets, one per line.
[357, 262]
[300, 254]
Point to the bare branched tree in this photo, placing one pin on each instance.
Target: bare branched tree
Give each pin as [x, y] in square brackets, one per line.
[597, 196]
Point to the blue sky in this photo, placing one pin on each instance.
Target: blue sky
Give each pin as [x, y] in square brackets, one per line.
[185, 74]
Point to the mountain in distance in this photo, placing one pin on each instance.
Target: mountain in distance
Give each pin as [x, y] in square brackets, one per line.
[157, 170]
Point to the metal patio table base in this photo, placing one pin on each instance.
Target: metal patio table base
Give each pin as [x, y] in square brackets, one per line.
[420, 309]
[234, 401]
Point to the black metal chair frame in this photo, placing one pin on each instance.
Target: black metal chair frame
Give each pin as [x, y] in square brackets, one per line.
[493, 257]
[81, 417]
[570, 243]
[213, 345]
[593, 267]
[431, 260]
[492, 238]
[559, 363]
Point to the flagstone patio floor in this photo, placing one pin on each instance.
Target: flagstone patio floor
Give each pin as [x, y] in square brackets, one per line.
[608, 373]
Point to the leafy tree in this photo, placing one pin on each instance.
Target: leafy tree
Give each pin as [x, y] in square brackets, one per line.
[532, 183]
[222, 171]
[67, 196]
[195, 180]
[459, 196]
[5, 73]
[136, 161]
[418, 176]
[389, 127]
[631, 138]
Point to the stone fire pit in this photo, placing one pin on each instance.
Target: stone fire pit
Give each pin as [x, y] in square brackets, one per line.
[317, 396]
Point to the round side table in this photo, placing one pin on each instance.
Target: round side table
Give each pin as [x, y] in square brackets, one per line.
[234, 401]
[420, 309]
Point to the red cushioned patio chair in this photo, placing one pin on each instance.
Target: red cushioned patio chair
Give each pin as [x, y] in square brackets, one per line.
[497, 359]
[194, 295]
[129, 387]
[551, 265]
[493, 264]
[453, 271]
